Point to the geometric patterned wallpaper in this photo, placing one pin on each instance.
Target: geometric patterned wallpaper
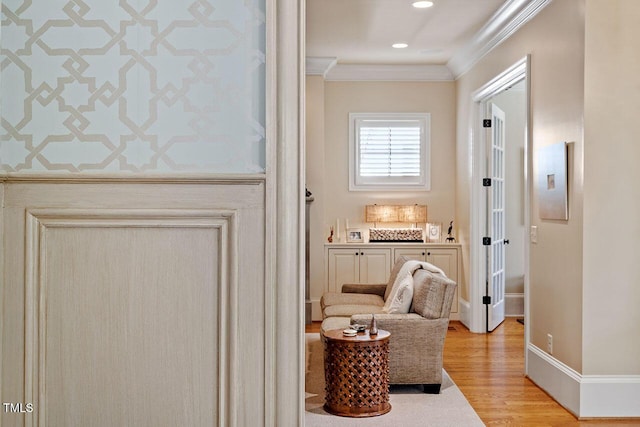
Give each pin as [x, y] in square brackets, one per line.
[133, 86]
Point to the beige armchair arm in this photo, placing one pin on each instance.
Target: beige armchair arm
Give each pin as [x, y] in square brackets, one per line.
[357, 288]
[415, 347]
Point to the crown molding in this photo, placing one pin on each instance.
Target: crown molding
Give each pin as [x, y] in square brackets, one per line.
[318, 65]
[512, 15]
[388, 72]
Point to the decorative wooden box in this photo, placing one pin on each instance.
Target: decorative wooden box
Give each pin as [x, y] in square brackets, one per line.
[396, 235]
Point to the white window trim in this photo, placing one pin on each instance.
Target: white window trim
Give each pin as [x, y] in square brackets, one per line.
[422, 183]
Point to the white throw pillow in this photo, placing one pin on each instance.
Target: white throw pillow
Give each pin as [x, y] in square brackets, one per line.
[399, 300]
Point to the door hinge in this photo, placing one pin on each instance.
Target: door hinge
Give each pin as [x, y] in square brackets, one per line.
[486, 182]
[486, 300]
[486, 123]
[486, 241]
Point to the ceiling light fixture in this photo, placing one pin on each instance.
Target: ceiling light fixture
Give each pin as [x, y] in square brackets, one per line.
[422, 4]
[399, 45]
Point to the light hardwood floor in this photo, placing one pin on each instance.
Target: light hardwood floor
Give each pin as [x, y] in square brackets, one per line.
[489, 370]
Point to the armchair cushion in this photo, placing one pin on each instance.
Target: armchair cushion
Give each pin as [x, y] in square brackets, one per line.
[356, 294]
[334, 298]
[346, 310]
[365, 288]
[399, 300]
[394, 273]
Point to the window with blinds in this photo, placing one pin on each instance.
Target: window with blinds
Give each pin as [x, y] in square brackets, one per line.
[389, 151]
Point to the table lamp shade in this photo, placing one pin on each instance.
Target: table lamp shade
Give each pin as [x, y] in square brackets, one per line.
[396, 213]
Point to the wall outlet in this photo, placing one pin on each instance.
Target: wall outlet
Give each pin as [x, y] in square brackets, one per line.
[549, 343]
[534, 234]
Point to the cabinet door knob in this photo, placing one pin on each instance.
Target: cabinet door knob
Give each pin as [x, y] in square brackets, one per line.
[361, 253]
[428, 253]
[357, 254]
[422, 253]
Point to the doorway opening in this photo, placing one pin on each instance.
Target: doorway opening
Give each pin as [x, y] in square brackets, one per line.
[500, 200]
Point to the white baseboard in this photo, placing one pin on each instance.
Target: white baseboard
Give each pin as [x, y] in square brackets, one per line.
[586, 396]
[557, 379]
[316, 311]
[514, 305]
[611, 396]
[464, 313]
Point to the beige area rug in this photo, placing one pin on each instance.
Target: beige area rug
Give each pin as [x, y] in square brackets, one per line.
[409, 405]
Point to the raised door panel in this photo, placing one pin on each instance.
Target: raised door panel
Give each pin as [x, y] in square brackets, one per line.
[123, 302]
[419, 254]
[143, 335]
[447, 260]
[127, 314]
[343, 268]
[375, 265]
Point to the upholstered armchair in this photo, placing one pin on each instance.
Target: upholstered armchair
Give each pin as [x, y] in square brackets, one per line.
[417, 338]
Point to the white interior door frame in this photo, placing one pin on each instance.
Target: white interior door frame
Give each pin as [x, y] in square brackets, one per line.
[284, 216]
[479, 140]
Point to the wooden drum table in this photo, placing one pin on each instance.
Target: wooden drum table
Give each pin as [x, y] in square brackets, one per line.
[356, 372]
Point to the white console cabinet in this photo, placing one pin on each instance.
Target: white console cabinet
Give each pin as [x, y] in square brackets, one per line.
[372, 262]
[356, 264]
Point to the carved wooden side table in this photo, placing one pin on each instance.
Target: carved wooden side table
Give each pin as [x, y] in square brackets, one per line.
[356, 371]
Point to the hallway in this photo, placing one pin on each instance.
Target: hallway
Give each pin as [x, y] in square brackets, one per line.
[489, 369]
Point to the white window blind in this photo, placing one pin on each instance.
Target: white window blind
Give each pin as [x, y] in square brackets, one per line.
[389, 151]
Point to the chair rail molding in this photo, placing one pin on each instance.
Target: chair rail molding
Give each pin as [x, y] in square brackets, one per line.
[114, 178]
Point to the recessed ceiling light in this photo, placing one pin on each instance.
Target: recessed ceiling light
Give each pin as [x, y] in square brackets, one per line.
[399, 45]
[422, 4]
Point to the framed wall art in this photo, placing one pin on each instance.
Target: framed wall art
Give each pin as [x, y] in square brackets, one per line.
[551, 181]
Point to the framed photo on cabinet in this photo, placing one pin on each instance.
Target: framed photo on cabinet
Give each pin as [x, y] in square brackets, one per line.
[354, 235]
[434, 232]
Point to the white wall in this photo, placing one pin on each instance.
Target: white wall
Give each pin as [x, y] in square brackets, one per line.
[315, 177]
[342, 98]
[328, 155]
[555, 41]
[611, 343]
[583, 290]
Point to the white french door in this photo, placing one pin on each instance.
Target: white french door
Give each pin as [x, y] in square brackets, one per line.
[496, 220]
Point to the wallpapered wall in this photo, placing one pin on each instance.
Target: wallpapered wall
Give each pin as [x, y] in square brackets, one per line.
[133, 86]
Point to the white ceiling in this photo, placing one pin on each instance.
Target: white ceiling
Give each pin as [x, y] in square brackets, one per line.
[362, 31]
[351, 39]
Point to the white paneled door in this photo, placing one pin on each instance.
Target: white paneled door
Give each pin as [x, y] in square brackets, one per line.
[496, 221]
